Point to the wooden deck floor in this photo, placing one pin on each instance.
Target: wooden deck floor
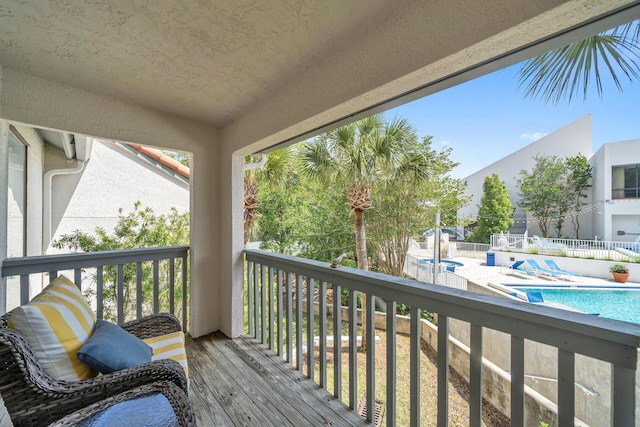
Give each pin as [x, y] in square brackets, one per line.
[237, 383]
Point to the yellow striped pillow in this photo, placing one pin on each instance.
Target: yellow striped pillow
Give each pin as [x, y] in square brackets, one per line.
[169, 346]
[56, 323]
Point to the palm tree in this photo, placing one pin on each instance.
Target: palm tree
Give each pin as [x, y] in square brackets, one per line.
[565, 71]
[352, 158]
[277, 171]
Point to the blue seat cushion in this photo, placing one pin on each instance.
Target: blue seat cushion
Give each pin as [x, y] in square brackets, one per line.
[152, 410]
[110, 348]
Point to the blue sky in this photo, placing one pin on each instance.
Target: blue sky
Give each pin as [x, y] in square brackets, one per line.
[487, 118]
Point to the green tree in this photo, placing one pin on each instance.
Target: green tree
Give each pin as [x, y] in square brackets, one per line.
[543, 191]
[139, 228]
[407, 200]
[579, 180]
[351, 159]
[304, 219]
[566, 71]
[276, 171]
[495, 212]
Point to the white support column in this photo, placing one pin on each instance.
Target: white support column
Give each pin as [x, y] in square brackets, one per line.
[4, 184]
[231, 240]
[205, 283]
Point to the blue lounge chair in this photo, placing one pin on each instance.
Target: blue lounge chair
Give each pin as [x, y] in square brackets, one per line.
[553, 266]
[543, 271]
[535, 296]
[516, 268]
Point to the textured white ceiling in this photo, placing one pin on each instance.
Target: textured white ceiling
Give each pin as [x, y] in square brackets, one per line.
[203, 59]
[260, 71]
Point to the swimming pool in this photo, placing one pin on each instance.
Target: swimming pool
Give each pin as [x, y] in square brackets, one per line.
[617, 303]
[442, 261]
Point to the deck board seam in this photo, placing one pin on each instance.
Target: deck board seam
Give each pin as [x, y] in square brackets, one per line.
[321, 398]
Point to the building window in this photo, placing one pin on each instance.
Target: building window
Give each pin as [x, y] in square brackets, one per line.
[625, 182]
[17, 196]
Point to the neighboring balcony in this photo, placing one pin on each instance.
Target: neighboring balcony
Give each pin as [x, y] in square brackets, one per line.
[290, 368]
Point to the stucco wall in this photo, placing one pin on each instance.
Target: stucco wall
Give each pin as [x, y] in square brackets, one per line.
[112, 179]
[35, 160]
[592, 377]
[613, 215]
[568, 141]
[401, 54]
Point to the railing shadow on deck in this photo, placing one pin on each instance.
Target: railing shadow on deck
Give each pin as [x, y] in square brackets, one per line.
[276, 285]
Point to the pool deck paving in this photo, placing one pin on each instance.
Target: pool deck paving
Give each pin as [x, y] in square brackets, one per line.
[478, 271]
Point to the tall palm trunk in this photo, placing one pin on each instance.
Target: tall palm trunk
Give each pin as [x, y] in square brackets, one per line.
[251, 204]
[363, 264]
[360, 200]
[361, 240]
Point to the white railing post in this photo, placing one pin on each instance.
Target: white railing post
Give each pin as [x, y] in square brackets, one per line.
[353, 340]
[118, 260]
[443, 371]
[391, 363]
[322, 318]
[279, 325]
[517, 381]
[623, 396]
[414, 367]
[337, 341]
[289, 319]
[569, 332]
[566, 388]
[475, 376]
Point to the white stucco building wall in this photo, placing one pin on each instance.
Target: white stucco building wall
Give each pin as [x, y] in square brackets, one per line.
[115, 177]
[607, 215]
[30, 243]
[569, 141]
[83, 196]
[614, 212]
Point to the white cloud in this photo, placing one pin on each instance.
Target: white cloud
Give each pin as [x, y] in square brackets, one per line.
[445, 144]
[533, 136]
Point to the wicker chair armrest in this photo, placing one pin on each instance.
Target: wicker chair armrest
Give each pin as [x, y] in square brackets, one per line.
[63, 397]
[125, 379]
[176, 397]
[32, 397]
[153, 326]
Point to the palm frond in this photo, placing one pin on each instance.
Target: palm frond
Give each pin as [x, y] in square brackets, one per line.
[564, 72]
[316, 160]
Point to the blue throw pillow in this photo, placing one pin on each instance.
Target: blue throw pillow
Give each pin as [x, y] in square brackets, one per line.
[111, 348]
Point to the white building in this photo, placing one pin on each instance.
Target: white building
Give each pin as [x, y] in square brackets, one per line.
[612, 208]
[59, 183]
[616, 186]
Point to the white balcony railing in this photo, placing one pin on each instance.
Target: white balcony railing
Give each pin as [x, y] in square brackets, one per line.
[579, 248]
[423, 271]
[276, 317]
[132, 271]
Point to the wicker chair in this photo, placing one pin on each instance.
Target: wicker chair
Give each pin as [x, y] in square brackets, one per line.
[176, 397]
[33, 398]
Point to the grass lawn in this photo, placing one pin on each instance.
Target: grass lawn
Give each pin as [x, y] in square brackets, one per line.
[458, 388]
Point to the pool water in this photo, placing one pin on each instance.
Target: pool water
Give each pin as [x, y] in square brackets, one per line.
[442, 261]
[619, 304]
